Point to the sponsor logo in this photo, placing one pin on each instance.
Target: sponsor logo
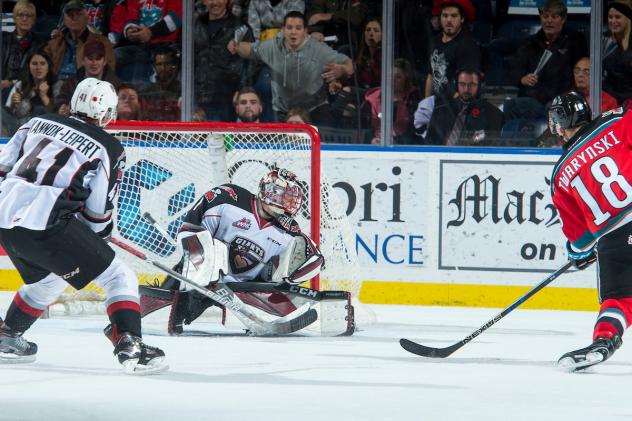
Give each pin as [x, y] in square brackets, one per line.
[630, 240]
[71, 274]
[243, 223]
[274, 241]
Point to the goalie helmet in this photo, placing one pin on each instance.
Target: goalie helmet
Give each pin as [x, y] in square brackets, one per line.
[95, 99]
[568, 111]
[278, 189]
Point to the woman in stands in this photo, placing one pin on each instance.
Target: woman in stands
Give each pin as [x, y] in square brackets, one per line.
[368, 67]
[32, 95]
[406, 97]
[617, 62]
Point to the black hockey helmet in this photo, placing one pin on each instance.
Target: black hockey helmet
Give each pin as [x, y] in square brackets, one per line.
[568, 111]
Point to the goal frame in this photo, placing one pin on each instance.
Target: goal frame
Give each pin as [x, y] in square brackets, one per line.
[311, 131]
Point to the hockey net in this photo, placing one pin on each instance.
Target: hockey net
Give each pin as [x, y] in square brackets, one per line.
[170, 165]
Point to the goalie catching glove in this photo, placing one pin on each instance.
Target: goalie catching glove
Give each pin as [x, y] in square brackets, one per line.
[300, 262]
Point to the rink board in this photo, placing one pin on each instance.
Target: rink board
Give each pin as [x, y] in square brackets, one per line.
[448, 226]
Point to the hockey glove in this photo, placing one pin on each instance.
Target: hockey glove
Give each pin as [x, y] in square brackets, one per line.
[581, 259]
[106, 234]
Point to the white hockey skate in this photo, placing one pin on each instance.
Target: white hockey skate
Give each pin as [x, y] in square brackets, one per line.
[597, 352]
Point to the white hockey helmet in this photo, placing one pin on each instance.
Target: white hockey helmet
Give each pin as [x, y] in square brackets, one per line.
[280, 192]
[95, 99]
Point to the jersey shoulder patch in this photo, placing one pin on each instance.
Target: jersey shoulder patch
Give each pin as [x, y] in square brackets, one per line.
[228, 194]
[288, 224]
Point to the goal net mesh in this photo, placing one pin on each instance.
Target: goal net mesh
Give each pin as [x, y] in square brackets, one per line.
[170, 166]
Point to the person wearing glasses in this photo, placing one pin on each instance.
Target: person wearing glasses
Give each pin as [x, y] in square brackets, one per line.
[581, 75]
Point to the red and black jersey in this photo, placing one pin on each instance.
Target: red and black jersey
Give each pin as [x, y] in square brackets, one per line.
[592, 181]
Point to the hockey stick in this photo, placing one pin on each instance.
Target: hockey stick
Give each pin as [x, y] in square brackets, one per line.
[223, 295]
[426, 351]
[290, 289]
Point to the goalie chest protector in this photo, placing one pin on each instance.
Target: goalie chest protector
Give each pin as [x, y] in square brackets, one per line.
[229, 213]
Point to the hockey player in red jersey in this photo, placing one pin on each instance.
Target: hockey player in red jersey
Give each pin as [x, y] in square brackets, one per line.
[59, 179]
[254, 238]
[592, 190]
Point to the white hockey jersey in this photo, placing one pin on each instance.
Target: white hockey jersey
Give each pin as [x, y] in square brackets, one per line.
[55, 166]
[230, 214]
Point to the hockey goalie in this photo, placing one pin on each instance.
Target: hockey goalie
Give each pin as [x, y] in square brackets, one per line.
[252, 245]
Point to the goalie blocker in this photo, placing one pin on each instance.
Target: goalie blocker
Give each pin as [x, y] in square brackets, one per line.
[274, 293]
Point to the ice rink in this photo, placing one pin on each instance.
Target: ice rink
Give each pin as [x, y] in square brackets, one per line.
[507, 373]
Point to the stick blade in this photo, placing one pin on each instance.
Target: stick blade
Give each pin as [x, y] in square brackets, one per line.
[426, 351]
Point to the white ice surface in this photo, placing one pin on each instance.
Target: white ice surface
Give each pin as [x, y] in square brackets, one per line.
[507, 373]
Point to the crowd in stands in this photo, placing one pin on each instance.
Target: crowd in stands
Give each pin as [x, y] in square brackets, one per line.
[465, 73]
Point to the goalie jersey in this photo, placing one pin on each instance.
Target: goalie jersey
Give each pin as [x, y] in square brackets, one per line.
[229, 213]
[592, 181]
[55, 166]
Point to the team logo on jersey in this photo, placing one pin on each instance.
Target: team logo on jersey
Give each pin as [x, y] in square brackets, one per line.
[244, 255]
[243, 223]
[288, 223]
[210, 195]
[230, 191]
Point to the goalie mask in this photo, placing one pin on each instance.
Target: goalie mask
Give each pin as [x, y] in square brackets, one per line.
[280, 192]
[95, 99]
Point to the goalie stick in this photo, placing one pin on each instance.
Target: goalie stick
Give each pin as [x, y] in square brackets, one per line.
[223, 295]
[426, 351]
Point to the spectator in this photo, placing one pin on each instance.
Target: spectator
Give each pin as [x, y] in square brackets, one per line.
[161, 98]
[423, 115]
[297, 116]
[617, 62]
[218, 73]
[334, 18]
[100, 14]
[453, 48]
[301, 68]
[18, 44]
[369, 60]
[406, 96]
[467, 119]
[148, 24]
[94, 65]
[32, 95]
[66, 47]
[129, 105]
[581, 73]
[539, 83]
[265, 17]
[368, 67]
[248, 106]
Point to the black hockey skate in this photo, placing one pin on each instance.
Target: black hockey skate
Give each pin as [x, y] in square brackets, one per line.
[599, 351]
[187, 306]
[14, 348]
[138, 358]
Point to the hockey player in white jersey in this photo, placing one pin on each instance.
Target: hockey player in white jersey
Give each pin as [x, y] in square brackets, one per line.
[59, 178]
[255, 238]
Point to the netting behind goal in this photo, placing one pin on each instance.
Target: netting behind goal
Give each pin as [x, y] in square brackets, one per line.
[170, 165]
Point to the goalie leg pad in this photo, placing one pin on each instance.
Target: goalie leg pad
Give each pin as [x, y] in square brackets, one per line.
[205, 258]
[152, 299]
[187, 306]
